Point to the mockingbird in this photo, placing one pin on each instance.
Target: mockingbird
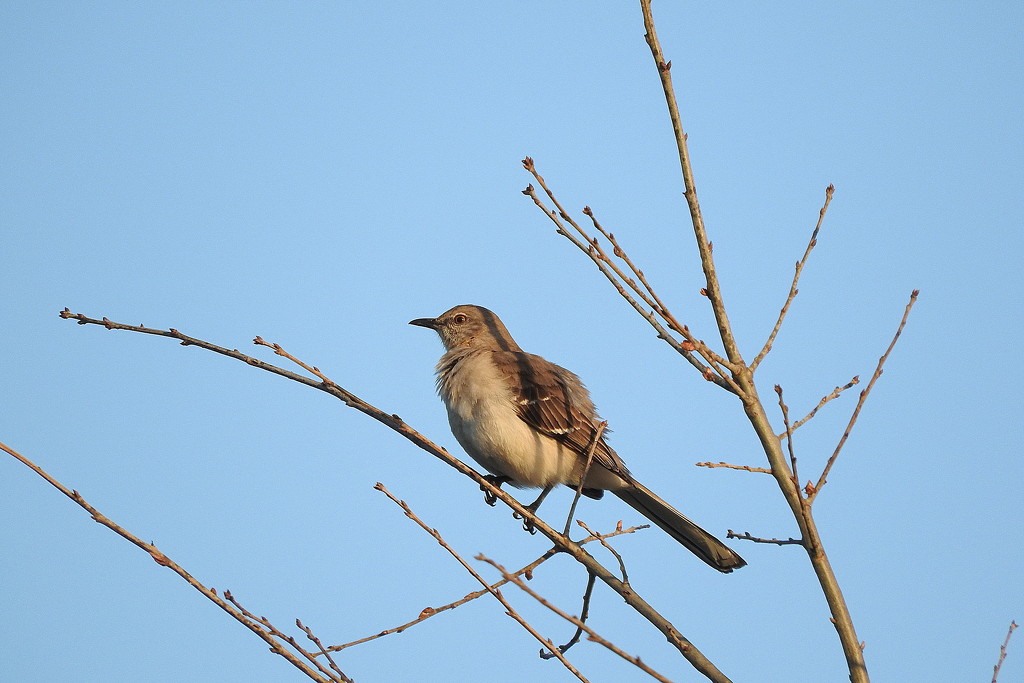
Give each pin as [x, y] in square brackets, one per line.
[531, 423]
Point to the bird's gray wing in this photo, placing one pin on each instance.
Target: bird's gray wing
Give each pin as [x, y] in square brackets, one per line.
[554, 401]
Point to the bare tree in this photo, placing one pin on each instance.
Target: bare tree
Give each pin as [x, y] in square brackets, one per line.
[720, 363]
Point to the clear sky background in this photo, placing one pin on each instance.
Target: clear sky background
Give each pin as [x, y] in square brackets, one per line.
[321, 173]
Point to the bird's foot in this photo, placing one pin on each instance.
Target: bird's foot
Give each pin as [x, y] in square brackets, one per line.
[489, 497]
[528, 524]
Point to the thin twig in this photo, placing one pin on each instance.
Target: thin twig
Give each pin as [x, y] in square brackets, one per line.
[592, 248]
[1002, 652]
[526, 571]
[584, 615]
[594, 440]
[260, 626]
[789, 434]
[796, 278]
[812, 494]
[428, 612]
[745, 468]
[745, 536]
[609, 548]
[831, 397]
[509, 610]
[591, 634]
[320, 646]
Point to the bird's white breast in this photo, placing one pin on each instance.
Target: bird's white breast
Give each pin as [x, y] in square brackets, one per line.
[482, 414]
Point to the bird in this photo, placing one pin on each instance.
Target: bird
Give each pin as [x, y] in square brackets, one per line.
[532, 424]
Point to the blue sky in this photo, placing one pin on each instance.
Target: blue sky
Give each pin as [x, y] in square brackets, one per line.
[321, 173]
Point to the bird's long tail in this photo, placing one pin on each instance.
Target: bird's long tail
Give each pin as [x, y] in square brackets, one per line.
[699, 542]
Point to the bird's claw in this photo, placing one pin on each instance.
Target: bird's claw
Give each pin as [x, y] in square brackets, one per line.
[489, 496]
[528, 524]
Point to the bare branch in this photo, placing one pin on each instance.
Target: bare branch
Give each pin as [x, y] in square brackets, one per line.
[789, 434]
[707, 260]
[258, 625]
[584, 613]
[863, 397]
[591, 634]
[1002, 652]
[834, 395]
[526, 571]
[796, 278]
[509, 610]
[591, 246]
[745, 468]
[745, 536]
[609, 548]
[603, 425]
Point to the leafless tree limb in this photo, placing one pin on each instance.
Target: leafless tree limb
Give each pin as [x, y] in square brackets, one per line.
[745, 468]
[829, 191]
[745, 536]
[863, 397]
[594, 440]
[584, 614]
[651, 310]
[789, 433]
[831, 397]
[591, 634]
[261, 626]
[526, 571]
[509, 610]
[1002, 652]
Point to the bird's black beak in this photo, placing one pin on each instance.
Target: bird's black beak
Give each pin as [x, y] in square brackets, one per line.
[425, 322]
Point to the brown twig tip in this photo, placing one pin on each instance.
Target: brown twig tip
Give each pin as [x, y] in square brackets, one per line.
[1002, 652]
[528, 163]
[587, 211]
[529, 190]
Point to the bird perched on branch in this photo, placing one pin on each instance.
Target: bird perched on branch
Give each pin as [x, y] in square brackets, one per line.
[531, 423]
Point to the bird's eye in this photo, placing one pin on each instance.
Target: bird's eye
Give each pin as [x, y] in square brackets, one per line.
[459, 319]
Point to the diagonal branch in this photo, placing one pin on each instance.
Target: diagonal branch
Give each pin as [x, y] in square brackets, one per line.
[526, 571]
[863, 397]
[258, 625]
[591, 246]
[831, 397]
[579, 623]
[1002, 652]
[704, 246]
[796, 278]
[509, 609]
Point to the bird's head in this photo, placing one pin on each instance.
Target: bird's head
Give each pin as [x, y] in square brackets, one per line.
[470, 327]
